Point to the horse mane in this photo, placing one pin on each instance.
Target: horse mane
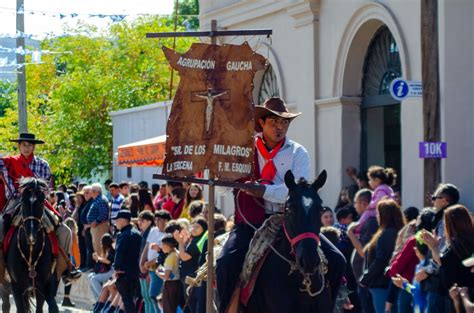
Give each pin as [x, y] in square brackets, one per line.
[33, 183]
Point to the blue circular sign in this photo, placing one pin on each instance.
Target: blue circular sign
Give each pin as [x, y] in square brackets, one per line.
[399, 89]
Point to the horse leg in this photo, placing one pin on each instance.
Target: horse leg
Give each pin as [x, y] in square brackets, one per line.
[21, 301]
[5, 295]
[39, 301]
[51, 288]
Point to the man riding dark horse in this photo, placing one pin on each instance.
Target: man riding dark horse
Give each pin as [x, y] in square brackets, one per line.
[12, 169]
[275, 154]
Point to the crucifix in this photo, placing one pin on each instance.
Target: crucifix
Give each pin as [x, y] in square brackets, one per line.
[210, 95]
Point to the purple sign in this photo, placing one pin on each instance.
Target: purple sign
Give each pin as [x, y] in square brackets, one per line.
[433, 150]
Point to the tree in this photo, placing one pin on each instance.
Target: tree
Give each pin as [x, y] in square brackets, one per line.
[71, 95]
[188, 10]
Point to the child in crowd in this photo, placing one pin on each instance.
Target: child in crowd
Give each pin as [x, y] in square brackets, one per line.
[173, 296]
[344, 218]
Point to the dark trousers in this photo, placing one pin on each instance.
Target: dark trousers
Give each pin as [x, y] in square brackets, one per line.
[127, 288]
[229, 264]
[89, 248]
[366, 300]
[82, 247]
[172, 296]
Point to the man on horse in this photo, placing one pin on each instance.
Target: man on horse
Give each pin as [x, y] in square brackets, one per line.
[275, 154]
[26, 164]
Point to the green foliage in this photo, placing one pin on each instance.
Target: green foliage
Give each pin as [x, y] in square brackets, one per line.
[188, 11]
[71, 95]
[7, 96]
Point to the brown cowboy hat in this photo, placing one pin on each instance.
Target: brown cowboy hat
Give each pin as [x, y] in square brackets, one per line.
[28, 138]
[272, 106]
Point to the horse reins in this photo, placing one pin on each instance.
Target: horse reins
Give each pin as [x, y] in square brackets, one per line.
[29, 261]
[294, 265]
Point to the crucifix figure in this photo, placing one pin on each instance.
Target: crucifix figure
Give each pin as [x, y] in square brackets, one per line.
[210, 96]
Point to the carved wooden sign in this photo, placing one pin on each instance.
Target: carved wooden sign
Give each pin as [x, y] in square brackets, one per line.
[211, 120]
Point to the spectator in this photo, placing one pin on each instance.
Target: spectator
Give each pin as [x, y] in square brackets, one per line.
[126, 260]
[169, 273]
[379, 250]
[459, 246]
[327, 216]
[168, 203]
[160, 197]
[124, 189]
[146, 222]
[133, 204]
[404, 264]
[116, 202]
[103, 265]
[367, 227]
[193, 193]
[177, 196]
[87, 228]
[145, 200]
[75, 260]
[80, 204]
[189, 251]
[196, 208]
[98, 216]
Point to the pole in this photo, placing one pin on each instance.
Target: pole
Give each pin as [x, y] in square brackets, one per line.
[174, 45]
[430, 80]
[210, 226]
[21, 74]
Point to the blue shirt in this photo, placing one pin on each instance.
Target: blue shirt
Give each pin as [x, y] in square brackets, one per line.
[99, 211]
[115, 206]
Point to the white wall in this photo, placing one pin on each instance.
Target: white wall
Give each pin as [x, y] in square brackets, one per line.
[457, 105]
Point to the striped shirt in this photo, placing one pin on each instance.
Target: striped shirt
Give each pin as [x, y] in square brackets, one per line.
[292, 156]
[38, 166]
[115, 206]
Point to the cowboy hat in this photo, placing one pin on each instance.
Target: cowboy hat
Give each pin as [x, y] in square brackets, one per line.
[272, 106]
[28, 138]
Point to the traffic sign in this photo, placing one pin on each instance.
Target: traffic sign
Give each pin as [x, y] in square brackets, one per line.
[433, 150]
[401, 89]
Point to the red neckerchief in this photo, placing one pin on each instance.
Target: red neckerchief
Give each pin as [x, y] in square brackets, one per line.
[269, 170]
[18, 166]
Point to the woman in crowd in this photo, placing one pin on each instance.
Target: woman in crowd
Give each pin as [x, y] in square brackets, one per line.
[145, 200]
[459, 246]
[379, 250]
[327, 216]
[103, 265]
[193, 193]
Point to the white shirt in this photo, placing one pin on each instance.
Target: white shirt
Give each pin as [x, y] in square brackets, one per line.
[292, 156]
[154, 236]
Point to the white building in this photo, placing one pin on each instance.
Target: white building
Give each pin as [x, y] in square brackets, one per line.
[133, 125]
[333, 61]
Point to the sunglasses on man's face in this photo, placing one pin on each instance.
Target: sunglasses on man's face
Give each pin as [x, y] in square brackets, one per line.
[433, 198]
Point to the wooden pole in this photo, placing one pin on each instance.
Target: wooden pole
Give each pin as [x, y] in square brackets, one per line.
[430, 80]
[210, 225]
[21, 73]
[174, 45]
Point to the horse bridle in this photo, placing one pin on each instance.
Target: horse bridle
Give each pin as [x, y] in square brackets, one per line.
[322, 269]
[298, 238]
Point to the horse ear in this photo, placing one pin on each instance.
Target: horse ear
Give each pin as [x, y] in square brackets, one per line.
[290, 180]
[320, 181]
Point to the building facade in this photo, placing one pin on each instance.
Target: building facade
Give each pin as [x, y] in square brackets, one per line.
[334, 60]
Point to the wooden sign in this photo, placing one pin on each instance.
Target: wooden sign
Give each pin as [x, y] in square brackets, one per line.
[211, 122]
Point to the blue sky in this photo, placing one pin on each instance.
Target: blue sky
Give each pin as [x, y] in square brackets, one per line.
[43, 21]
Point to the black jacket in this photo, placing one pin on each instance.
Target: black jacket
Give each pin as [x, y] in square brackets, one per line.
[127, 252]
[374, 275]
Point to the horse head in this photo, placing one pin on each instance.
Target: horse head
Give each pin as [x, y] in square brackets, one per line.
[32, 205]
[302, 221]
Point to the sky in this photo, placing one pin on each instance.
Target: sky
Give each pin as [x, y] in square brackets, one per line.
[40, 19]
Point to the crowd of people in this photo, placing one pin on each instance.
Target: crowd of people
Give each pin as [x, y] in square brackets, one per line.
[138, 245]
[402, 259]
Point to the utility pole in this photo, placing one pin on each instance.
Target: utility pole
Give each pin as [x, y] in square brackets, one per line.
[430, 80]
[21, 73]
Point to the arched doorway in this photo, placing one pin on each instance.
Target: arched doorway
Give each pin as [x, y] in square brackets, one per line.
[380, 113]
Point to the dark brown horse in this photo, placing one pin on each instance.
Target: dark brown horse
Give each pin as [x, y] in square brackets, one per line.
[294, 277]
[29, 256]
